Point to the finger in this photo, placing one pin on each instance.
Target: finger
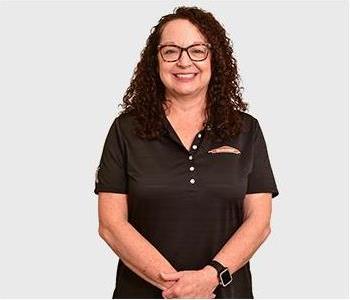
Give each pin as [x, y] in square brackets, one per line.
[168, 297]
[167, 294]
[171, 276]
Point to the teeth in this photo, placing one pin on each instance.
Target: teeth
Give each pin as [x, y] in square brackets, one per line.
[185, 75]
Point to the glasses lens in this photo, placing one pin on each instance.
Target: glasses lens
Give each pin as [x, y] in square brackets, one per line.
[198, 52]
[170, 53]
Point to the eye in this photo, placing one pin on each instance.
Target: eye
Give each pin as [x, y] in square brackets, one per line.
[169, 51]
[198, 51]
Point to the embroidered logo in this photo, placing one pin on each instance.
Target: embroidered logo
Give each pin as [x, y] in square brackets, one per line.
[225, 149]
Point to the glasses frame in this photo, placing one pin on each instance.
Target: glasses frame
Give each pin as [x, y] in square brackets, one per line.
[161, 46]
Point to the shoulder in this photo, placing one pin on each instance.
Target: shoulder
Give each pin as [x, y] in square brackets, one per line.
[247, 116]
[249, 122]
[124, 122]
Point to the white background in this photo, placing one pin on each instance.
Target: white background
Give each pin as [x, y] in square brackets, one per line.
[64, 67]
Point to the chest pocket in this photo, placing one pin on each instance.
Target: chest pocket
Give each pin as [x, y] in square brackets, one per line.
[226, 174]
[225, 163]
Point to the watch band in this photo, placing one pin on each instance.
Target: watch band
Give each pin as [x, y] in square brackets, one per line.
[223, 273]
[219, 267]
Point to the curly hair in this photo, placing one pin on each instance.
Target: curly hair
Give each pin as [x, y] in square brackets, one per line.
[145, 95]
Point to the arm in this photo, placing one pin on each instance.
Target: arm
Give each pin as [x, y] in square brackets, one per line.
[250, 235]
[235, 253]
[129, 245]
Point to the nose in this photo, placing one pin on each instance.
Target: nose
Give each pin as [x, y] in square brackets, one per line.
[184, 59]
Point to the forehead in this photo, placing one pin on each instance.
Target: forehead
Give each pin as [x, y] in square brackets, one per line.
[181, 32]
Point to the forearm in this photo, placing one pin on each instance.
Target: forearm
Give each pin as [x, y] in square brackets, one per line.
[137, 253]
[243, 244]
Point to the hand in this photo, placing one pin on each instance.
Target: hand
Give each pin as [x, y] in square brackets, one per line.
[191, 284]
[166, 284]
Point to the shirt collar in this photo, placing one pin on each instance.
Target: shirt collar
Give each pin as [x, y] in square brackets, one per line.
[167, 126]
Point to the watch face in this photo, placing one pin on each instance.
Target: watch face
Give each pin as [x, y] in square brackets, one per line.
[225, 277]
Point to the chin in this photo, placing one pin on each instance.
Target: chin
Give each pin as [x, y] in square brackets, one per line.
[187, 91]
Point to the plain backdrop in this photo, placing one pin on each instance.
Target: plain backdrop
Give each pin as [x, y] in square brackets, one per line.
[64, 67]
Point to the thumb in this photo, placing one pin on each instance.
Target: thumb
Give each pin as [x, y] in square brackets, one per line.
[170, 276]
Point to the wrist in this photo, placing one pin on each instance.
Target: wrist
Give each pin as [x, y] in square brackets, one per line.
[224, 275]
[212, 274]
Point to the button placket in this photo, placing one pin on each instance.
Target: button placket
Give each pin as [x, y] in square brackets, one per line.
[193, 148]
[191, 168]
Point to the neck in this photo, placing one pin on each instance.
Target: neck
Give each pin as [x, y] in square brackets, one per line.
[186, 108]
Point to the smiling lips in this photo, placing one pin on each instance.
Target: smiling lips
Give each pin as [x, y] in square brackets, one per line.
[184, 76]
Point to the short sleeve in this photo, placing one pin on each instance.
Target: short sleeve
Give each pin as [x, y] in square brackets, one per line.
[111, 172]
[261, 178]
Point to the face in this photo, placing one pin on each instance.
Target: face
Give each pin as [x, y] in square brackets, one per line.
[183, 33]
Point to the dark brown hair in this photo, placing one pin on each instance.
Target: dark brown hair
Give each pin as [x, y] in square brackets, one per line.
[146, 93]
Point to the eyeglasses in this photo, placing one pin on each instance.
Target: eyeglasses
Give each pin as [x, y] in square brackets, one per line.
[196, 52]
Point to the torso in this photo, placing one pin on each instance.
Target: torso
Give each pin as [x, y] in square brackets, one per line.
[186, 128]
[168, 199]
[186, 131]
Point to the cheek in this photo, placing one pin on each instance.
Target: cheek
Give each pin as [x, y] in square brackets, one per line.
[206, 73]
[164, 72]
[208, 68]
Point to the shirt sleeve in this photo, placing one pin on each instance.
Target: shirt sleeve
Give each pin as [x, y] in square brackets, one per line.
[111, 175]
[261, 178]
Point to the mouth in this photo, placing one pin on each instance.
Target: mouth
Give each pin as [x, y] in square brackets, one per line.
[185, 76]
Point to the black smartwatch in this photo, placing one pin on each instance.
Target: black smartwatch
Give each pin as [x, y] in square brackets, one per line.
[223, 273]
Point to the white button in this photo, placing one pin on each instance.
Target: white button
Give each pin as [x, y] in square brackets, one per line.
[194, 147]
[191, 168]
[190, 157]
[192, 181]
[199, 135]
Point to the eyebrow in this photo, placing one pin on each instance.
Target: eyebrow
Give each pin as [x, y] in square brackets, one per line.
[195, 42]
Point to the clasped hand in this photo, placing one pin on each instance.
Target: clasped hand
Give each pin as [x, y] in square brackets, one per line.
[190, 284]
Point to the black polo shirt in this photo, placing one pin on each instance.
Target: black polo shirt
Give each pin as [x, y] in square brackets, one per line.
[185, 203]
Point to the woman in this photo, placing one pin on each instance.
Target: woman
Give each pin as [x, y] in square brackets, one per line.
[184, 181]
